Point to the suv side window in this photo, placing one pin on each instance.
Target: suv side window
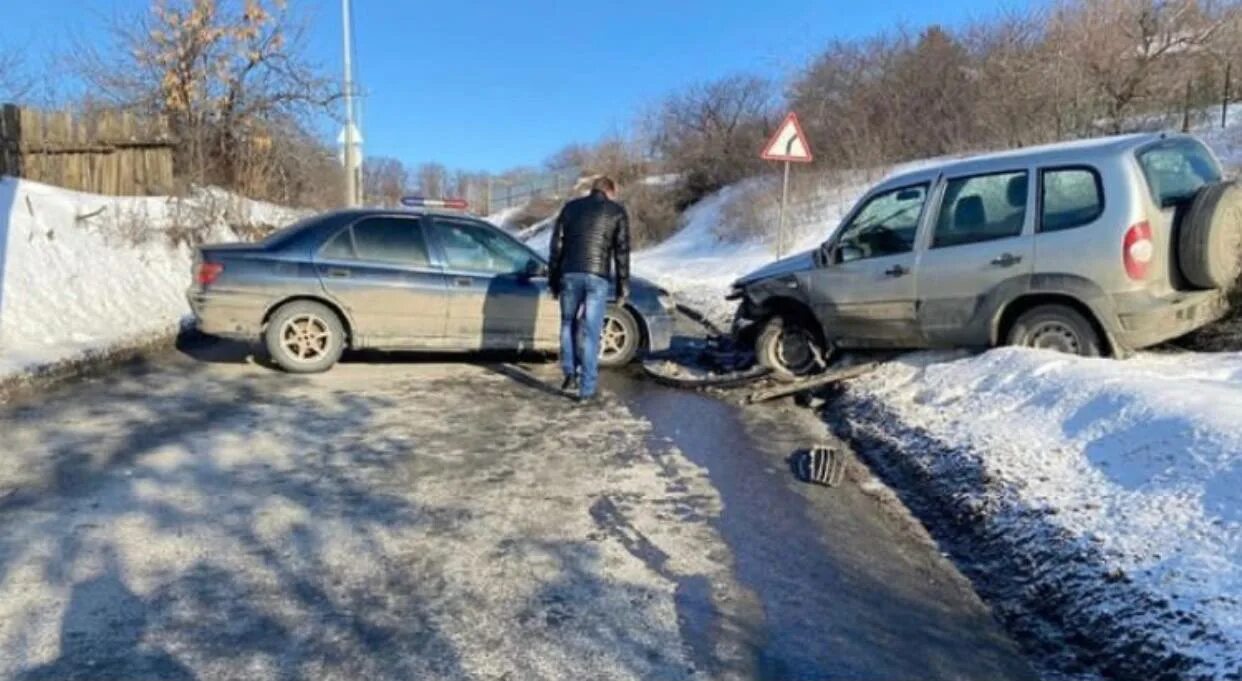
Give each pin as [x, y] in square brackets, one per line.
[475, 247]
[382, 239]
[981, 208]
[886, 225]
[1069, 198]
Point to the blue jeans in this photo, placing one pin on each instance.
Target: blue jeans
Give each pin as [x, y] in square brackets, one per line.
[583, 299]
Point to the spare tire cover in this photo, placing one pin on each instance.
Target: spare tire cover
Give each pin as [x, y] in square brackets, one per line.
[1210, 239]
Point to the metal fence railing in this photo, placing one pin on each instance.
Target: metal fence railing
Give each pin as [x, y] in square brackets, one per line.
[517, 191]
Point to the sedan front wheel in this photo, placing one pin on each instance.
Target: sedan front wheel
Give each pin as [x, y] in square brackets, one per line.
[620, 342]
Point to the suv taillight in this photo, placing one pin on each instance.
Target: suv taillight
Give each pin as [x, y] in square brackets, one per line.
[1137, 250]
[206, 273]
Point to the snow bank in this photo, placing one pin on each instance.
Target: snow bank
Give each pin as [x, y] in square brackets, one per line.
[1136, 464]
[81, 273]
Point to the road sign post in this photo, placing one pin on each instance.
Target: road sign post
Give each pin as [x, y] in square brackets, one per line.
[788, 145]
[780, 231]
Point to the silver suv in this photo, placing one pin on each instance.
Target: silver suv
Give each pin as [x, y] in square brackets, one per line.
[1099, 247]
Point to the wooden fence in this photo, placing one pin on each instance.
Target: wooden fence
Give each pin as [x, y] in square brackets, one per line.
[108, 152]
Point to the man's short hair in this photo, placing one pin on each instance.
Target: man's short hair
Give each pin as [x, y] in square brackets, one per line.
[604, 184]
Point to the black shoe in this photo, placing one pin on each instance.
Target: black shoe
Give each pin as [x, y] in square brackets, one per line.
[570, 385]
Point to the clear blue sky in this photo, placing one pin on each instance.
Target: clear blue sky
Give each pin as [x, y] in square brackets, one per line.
[491, 84]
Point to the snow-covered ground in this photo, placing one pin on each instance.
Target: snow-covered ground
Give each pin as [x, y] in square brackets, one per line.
[82, 274]
[1131, 470]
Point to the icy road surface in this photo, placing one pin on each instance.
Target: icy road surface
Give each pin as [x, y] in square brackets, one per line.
[211, 519]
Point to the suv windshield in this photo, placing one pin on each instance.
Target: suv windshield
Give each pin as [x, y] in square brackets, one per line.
[1177, 169]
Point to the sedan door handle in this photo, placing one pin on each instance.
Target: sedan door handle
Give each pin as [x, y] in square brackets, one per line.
[463, 282]
[338, 273]
[1007, 260]
[897, 271]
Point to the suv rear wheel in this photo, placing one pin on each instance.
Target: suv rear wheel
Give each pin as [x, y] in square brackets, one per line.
[789, 348]
[1056, 327]
[305, 337]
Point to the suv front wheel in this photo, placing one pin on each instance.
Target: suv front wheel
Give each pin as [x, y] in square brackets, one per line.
[789, 349]
[1056, 327]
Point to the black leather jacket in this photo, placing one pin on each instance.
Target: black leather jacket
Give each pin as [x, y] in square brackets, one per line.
[591, 234]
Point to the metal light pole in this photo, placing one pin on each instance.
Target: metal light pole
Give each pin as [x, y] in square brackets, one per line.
[350, 155]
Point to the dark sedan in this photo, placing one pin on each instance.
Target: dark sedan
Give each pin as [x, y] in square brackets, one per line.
[400, 280]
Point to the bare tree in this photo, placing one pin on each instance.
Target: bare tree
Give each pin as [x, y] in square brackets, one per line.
[230, 76]
[432, 180]
[15, 84]
[572, 156]
[384, 180]
[1137, 55]
[711, 133]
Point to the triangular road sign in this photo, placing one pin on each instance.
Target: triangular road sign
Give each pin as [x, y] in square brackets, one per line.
[789, 143]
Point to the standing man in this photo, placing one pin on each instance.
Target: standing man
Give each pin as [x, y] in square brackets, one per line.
[591, 234]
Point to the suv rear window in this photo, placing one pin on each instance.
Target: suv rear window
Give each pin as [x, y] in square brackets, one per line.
[1177, 169]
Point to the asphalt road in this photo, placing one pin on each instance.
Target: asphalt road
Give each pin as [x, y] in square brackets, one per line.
[199, 516]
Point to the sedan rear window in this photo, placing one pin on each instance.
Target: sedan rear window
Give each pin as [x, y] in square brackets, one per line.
[1177, 169]
[387, 239]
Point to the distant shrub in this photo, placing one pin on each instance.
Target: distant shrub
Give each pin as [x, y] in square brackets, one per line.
[654, 215]
[710, 134]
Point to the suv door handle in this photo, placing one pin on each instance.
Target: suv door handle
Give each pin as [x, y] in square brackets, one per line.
[338, 273]
[463, 282]
[896, 271]
[1007, 260]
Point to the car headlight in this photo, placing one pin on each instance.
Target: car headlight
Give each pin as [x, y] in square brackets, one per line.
[666, 301]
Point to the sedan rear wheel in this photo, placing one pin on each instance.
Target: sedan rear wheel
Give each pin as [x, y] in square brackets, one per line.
[305, 337]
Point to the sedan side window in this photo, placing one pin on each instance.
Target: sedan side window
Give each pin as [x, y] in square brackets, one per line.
[387, 239]
[478, 248]
[981, 208]
[886, 225]
[341, 247]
